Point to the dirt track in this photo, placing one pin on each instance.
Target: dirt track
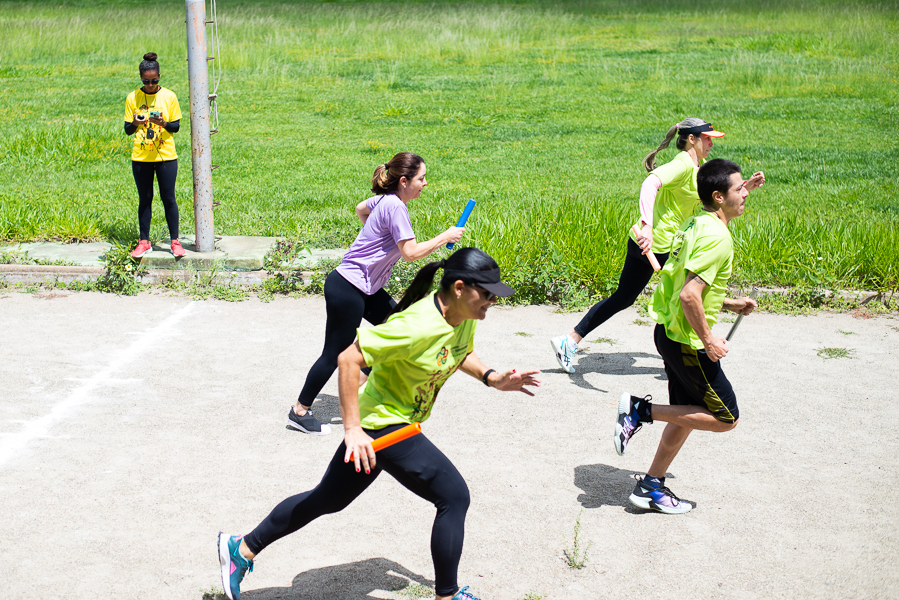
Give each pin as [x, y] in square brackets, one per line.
[133, 429]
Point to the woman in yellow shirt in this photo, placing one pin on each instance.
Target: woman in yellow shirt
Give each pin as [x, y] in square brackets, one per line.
[152, 115]
[668, 197]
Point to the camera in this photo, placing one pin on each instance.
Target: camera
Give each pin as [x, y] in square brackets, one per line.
[151, 133]
[140, 118]
[155, 114]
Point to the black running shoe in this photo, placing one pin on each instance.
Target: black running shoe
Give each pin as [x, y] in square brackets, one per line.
[307, 423]
[658, 498]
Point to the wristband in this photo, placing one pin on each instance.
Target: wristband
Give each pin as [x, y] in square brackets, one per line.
[486, 375]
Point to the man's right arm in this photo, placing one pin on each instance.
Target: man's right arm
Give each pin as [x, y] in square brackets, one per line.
[691, 302]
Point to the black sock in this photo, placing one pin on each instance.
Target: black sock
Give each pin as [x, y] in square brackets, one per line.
[644, 410]
[655, 482]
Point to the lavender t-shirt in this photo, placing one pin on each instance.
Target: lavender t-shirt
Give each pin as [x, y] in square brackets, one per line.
[369, 261]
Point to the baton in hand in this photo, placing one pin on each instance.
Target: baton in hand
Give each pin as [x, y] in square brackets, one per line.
[394, 437]
[733, 328]
[652, 257]
[465, 214]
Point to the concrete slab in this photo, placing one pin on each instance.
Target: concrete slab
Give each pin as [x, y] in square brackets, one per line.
[85, 255]
[232, 253]
[132, 424]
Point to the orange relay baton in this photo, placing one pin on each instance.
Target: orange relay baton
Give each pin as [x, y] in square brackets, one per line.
[652, 257]
[392, 438]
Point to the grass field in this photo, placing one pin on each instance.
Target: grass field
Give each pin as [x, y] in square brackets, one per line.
[542, 111]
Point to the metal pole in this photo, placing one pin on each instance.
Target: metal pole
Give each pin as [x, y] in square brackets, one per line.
[198, 77]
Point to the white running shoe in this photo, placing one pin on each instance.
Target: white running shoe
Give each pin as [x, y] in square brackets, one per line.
[564, 350]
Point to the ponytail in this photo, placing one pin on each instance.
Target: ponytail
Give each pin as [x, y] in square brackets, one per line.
[420, 286]
[649, 163]
[386, 178]
[454, 268]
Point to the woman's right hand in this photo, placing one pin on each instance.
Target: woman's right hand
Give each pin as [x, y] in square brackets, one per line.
[358, 445]
[453, 234]
[644, 240]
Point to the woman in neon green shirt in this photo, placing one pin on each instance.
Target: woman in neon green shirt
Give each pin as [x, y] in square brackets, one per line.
[428, 337]
[667, 197]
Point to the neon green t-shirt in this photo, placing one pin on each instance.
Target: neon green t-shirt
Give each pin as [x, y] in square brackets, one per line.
[412, 354]
[703, 246]
[162, 146]
[677, 199]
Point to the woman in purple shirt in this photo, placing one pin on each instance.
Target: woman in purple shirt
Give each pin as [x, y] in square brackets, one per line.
[355, 290]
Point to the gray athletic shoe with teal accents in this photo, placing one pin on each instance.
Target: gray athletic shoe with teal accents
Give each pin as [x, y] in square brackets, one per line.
[464, 594]
[564, 350]
[234, 565]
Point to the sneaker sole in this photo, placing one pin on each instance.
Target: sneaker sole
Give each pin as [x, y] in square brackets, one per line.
[297, 427]
[624, 406]
[647, 504]
[225, 562]
[558, 356]
[142, 254]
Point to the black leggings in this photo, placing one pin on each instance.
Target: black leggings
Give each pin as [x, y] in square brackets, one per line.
[346, 306]
[635, 274]
[419, 466]
[166, 174]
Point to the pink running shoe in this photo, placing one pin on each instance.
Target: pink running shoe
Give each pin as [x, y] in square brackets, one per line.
[143, 247]
[177, 249]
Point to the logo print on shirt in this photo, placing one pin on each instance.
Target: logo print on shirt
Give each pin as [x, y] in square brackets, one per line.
[442, 356]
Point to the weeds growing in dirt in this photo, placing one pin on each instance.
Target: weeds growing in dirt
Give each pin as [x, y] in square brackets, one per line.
[827, 353]
[576, 556]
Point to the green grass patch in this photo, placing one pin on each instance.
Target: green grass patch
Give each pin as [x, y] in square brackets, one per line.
[540, 110]
[416, 590]
[828, 353]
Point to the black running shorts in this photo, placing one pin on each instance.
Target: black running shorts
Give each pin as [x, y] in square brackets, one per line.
[695, 380]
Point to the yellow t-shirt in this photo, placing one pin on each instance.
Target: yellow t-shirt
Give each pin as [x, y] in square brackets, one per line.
[676, 201]
[162, 146]
[703, 246]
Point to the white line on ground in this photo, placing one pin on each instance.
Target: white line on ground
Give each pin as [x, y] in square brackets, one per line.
[36, 428]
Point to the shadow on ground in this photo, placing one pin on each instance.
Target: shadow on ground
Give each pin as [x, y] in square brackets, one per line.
[604, 485]
[352, 581]
[620, 363]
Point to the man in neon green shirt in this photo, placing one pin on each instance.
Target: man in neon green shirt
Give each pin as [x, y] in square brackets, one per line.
[685, 305]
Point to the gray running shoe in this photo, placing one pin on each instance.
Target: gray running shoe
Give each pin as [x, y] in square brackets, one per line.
[307, 423]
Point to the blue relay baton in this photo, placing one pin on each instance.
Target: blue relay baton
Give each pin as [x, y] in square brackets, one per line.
[465, 214]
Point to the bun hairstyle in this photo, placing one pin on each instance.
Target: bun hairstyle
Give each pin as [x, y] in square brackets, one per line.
[387, 177]
[649, 163]
[463, 259]
[149, 63]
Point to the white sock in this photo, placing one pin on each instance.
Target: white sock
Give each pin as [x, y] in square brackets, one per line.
[571, 339]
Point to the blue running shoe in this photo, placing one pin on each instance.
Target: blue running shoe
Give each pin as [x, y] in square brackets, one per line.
[629, 421]
[658, 498]
[464, 594]
[234, 565]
